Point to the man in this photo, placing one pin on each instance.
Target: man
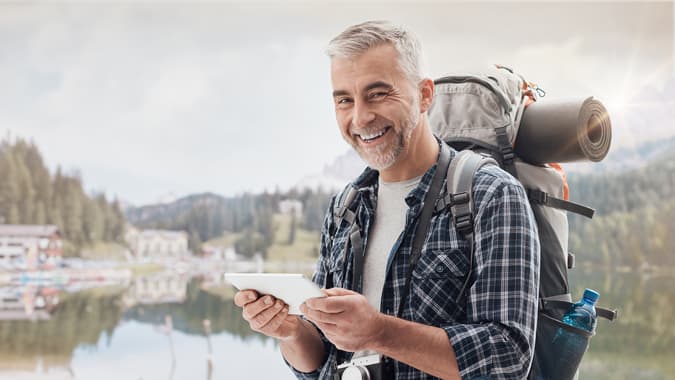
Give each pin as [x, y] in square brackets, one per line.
[485, 332]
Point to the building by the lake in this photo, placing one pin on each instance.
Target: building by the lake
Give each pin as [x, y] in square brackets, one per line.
[157, 244]
[32, 244]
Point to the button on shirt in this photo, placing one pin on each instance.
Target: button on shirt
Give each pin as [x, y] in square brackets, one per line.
[491, 325]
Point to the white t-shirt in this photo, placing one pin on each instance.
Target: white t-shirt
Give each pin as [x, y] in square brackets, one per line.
[390, 214]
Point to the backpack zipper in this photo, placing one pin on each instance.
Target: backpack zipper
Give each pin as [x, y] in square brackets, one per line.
[472, 79]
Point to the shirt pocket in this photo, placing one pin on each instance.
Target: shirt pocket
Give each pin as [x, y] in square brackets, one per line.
[437, 280]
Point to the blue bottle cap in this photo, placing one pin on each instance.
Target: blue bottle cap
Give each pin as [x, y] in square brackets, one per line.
[591, 295]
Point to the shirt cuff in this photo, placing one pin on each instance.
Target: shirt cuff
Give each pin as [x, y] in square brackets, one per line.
[472, 348]
[316, 374]
[304, 375]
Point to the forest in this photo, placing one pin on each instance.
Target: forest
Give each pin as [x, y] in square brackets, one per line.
[30, 194]
[632, 226]
[635, 210]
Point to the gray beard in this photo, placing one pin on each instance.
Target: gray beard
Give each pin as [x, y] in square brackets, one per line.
[385, 156]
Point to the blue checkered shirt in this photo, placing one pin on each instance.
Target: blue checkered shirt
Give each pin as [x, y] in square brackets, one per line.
[492, 326]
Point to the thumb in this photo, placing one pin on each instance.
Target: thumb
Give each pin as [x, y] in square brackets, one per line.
[338, 292]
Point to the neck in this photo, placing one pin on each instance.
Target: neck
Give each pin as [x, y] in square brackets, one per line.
[420, 155]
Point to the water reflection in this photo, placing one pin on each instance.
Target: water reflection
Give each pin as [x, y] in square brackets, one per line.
[86, 322]
[641, 343]
[168, 326]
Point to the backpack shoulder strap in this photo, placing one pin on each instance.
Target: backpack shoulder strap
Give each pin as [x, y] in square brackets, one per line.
[459, 187]
[458, 195]
[341, 209]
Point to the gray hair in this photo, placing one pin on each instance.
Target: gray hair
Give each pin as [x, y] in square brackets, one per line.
[357, 39]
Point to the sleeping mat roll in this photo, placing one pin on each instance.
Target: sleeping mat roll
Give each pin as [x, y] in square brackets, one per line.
[564, 131]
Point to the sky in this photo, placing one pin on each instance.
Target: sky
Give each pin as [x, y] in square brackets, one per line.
[145, 99]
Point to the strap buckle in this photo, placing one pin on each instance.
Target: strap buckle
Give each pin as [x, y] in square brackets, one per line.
[507, 154]
[463, 223]
[460, 198]
[537, 196]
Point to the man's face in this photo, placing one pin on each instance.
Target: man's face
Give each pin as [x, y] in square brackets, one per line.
[376, 106]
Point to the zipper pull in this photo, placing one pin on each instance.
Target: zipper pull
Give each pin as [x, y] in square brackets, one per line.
[540, 91]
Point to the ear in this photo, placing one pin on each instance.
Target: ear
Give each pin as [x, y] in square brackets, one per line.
[426, 88]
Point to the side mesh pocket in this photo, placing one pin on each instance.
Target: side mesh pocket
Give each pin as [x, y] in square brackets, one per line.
[559, 348]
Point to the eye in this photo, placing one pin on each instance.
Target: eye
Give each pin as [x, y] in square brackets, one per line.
[377, 95]
[343, 101]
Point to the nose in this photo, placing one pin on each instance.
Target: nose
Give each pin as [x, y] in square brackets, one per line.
[363, 115]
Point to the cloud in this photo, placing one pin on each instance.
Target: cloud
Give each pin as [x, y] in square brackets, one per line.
[149, 98]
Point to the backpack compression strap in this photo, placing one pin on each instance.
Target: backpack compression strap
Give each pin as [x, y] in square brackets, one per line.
[543, 198]
[564, 302]
[508, 156]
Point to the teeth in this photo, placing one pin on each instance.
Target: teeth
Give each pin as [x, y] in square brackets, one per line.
[373, 136]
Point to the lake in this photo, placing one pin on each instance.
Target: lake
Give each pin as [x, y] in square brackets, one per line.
[154, 328]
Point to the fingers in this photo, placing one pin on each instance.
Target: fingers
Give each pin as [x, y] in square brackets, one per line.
[332, 304]
[262, 311]
[338, 292]
[252, 309]
[268, 320]
[276, 321]
[244, 297]
[265, 314]
[318, 316]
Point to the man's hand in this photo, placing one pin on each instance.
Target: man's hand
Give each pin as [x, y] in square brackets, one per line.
[346, 319]
[267, 315]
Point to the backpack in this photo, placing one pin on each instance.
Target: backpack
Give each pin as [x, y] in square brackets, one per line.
[479, 115]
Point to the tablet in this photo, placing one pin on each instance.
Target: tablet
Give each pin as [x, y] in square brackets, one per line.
[292, 288]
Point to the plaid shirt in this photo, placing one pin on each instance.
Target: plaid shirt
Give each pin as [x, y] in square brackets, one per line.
[492, 326]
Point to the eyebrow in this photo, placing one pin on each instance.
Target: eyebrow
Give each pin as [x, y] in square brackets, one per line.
[377, 84]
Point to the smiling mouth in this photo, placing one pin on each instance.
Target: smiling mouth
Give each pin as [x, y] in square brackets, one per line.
[371, 137]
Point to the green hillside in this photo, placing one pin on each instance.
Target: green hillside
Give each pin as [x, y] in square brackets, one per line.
[300, 246]
[633, 225]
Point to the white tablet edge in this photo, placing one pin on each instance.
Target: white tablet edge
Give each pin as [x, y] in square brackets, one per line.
[292, 288]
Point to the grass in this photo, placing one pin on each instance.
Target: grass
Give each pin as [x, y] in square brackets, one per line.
[305, 247]
[225, 241]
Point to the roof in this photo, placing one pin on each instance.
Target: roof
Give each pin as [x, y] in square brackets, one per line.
[28, 230]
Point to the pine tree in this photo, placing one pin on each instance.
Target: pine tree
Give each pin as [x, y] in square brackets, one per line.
[293, 227]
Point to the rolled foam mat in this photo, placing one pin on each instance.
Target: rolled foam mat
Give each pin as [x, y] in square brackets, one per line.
[564, 131]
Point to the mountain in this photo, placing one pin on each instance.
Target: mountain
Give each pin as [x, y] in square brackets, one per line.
[335, 175]
[161, 213]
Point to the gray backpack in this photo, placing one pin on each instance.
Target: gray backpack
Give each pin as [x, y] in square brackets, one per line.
[479, 115]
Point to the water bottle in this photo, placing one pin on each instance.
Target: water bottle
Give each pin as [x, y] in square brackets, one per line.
[582, 314]
[570, 345]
